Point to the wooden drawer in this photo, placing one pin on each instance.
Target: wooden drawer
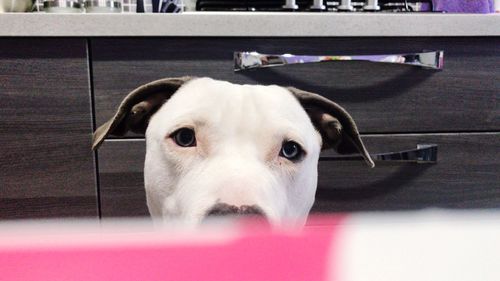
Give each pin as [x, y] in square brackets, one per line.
[382, 98]
[466, 176]
[121, 178]
[46, 165]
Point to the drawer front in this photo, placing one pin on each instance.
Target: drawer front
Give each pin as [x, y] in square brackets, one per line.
[46, 165]
[383, 98]
[121, 178]
[465, 176]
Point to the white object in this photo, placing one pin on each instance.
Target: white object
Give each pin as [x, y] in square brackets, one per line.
[290, 5]
[345, 5]
[371, 5]
[318, 5]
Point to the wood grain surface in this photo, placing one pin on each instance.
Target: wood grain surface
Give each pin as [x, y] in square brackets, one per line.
[46, 164]
[466, 176]
[121, 166]
[382, 98]
[47, 168]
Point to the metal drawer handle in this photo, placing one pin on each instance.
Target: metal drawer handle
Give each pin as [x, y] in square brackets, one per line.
[425, 153]
[250, 60]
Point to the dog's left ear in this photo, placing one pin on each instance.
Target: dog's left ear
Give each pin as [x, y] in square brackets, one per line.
[135, 110]
[336, 126]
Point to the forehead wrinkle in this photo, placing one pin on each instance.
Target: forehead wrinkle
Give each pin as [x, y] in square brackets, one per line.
[237, 123]
[263, 111]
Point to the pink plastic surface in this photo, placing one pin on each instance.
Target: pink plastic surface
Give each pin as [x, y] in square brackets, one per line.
[252, 255]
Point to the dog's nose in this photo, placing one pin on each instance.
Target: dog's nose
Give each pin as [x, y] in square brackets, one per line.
[223, 209]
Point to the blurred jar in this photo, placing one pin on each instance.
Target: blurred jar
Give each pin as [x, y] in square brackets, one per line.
[62, 6]
[20, 6]
[103, 6]
[190, 5]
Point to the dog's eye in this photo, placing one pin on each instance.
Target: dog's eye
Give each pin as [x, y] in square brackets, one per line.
[291, 151]
[184, 137]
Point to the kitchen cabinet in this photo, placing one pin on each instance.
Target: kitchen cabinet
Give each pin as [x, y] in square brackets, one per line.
[396, 108]
[70, 72]
[46, 165]
[465, 177]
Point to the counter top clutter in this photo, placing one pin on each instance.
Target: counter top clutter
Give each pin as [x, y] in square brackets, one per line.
[177, 6]
[261, 24]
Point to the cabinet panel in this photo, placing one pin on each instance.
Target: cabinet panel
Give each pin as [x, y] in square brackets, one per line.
[47, 167]
[465, 176]
[383, 98]
[121, 176]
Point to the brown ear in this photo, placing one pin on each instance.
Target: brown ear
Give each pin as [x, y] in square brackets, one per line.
[336, 126]
[138, 106]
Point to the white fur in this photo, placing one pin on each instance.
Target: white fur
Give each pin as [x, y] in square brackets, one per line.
[239, 130]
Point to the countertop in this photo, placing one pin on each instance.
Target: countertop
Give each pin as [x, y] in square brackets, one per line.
[247, 24]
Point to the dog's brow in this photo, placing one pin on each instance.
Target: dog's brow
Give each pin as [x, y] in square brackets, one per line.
[293, 135]
[200, 123]
[186, 122]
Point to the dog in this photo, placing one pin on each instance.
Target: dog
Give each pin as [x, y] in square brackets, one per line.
[218, 148]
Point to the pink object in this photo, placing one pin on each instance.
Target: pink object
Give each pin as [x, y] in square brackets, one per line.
[256, 254]
[420, 246]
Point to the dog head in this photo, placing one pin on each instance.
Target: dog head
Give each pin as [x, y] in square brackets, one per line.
[213, 147]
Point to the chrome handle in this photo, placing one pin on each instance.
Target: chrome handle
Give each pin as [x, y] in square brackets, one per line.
[424, 153]
[250, 60]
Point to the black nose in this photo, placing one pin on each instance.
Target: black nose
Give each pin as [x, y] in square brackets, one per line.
[223, 209]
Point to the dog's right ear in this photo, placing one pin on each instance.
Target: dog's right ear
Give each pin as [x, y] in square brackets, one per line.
[136, 109]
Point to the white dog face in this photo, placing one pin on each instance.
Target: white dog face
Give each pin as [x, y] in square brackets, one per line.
[215, 147]
[244, 146]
